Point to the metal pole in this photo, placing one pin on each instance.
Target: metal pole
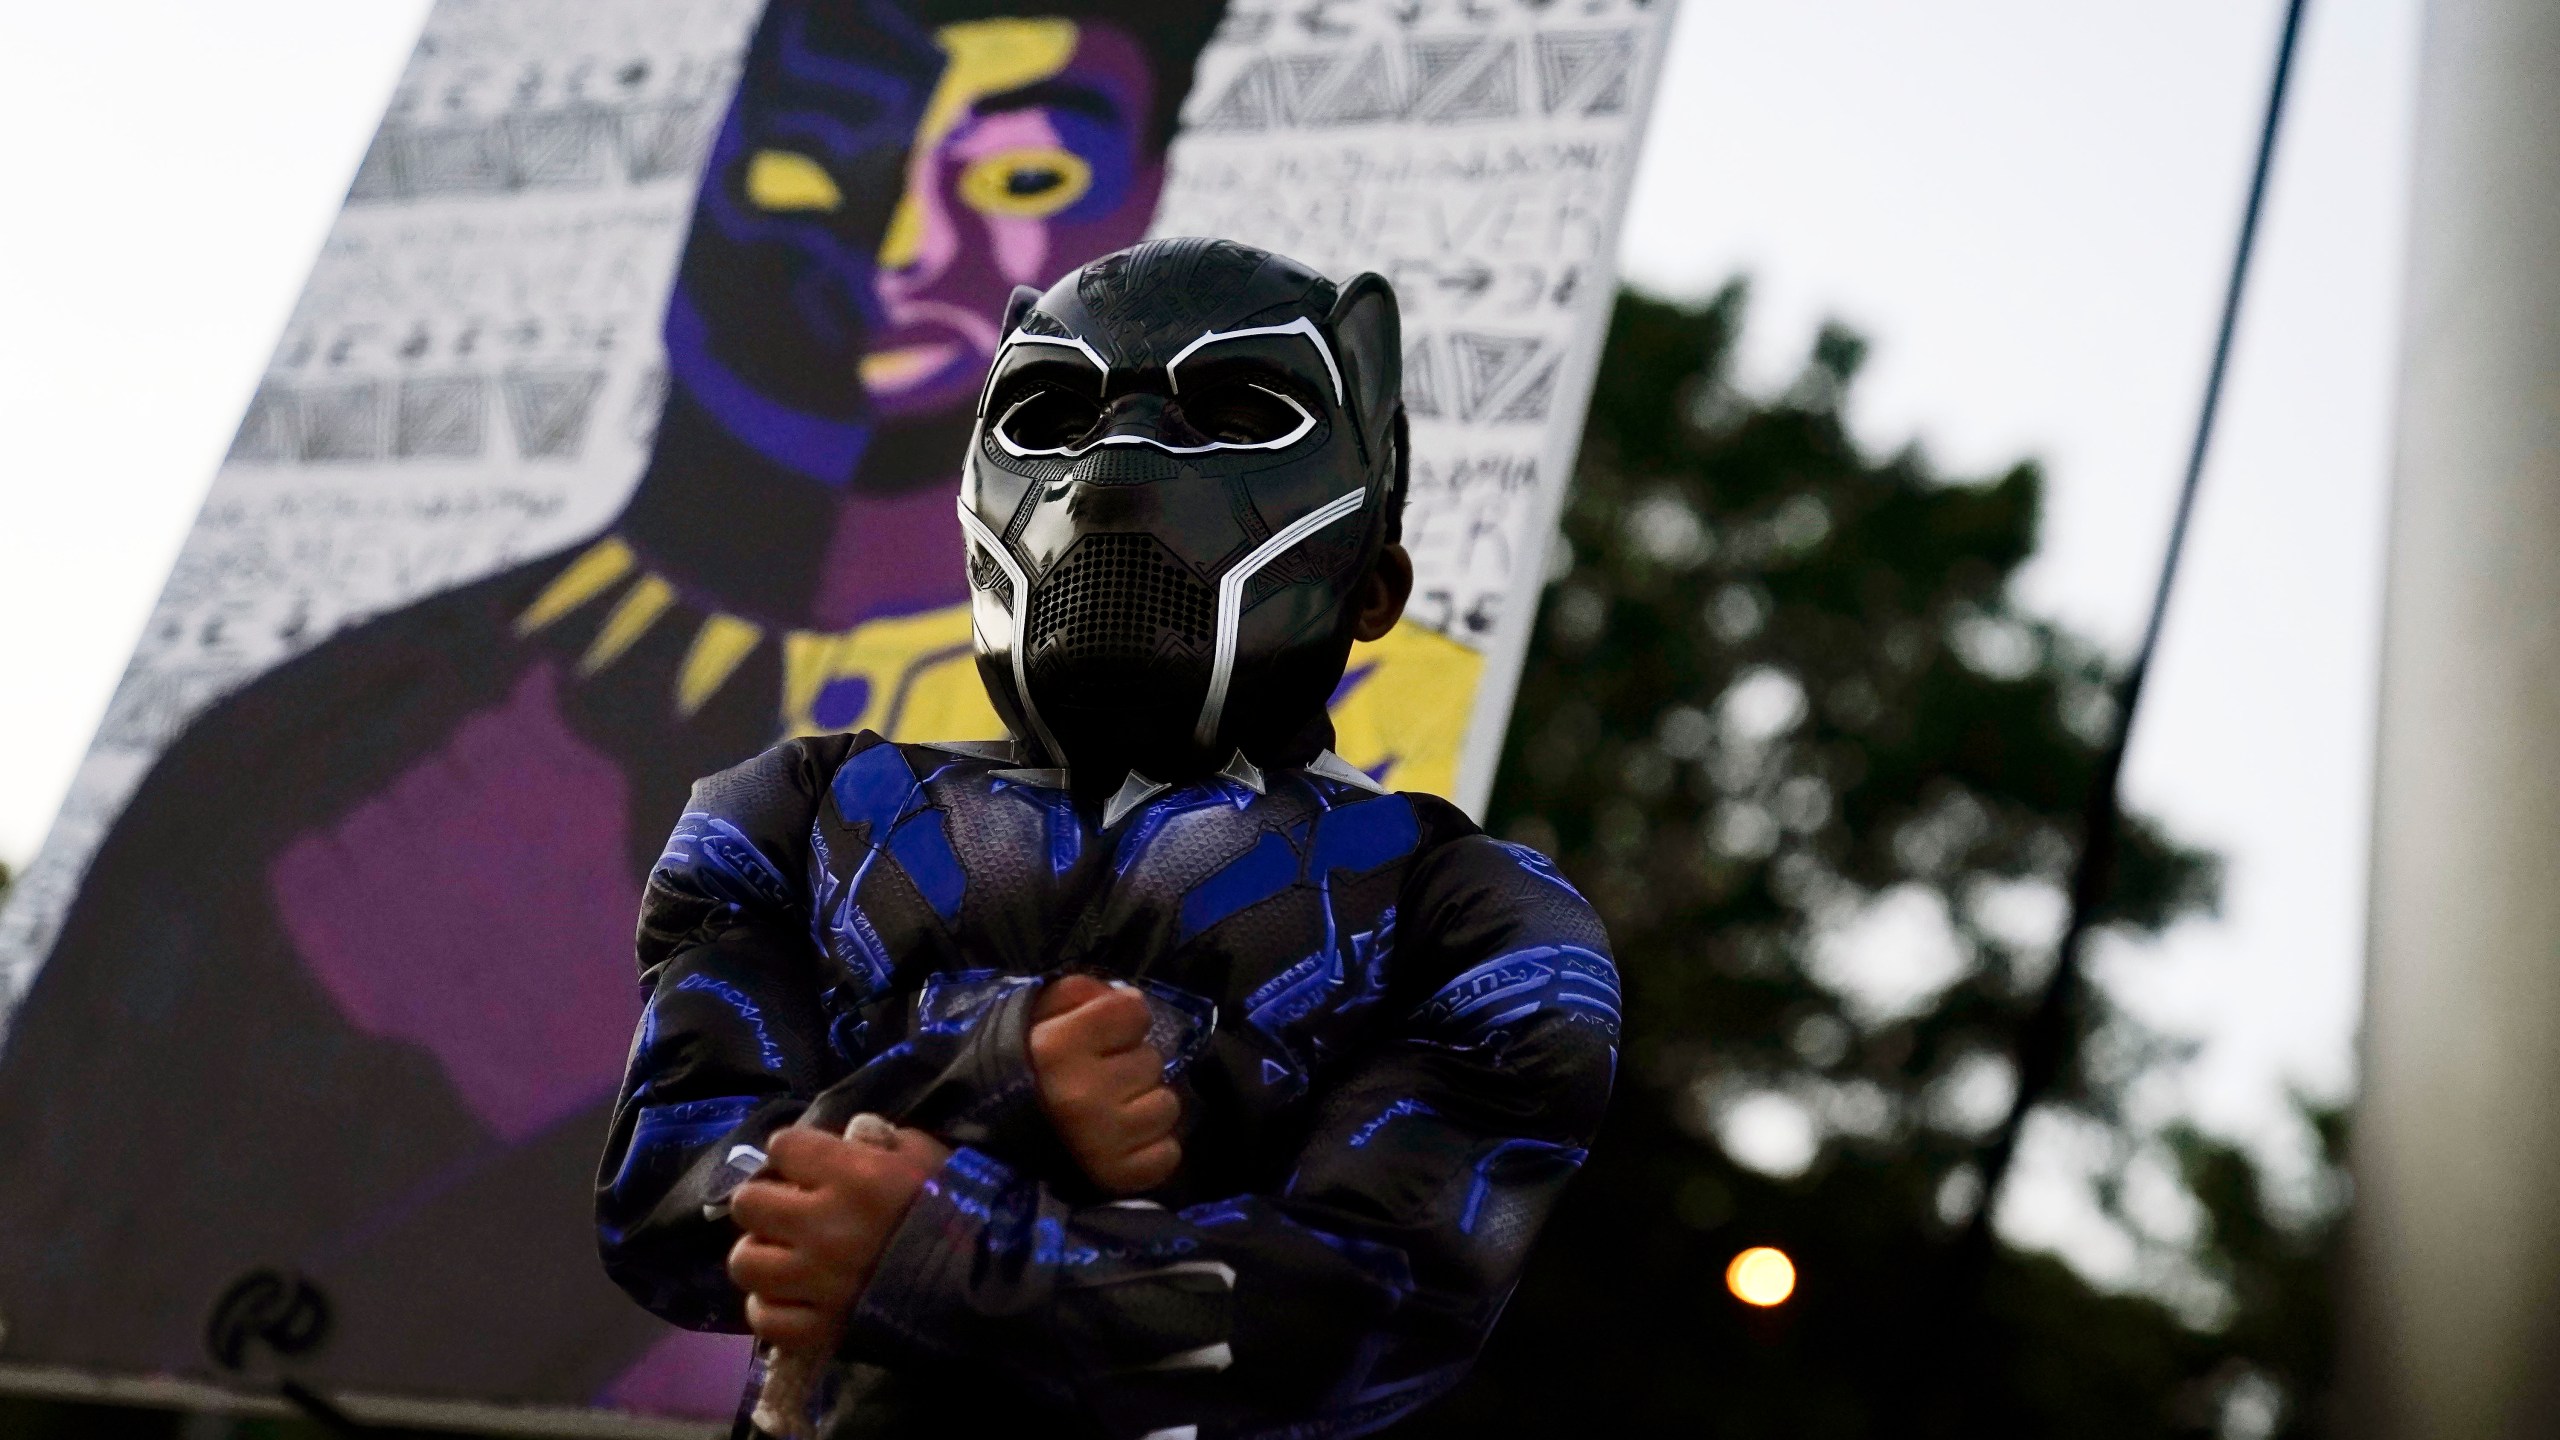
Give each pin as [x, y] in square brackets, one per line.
[2453, 1283]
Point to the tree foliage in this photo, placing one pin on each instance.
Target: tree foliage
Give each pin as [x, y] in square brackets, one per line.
[1782, 716]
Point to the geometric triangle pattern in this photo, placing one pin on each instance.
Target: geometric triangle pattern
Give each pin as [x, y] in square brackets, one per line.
[1462, 78]
[663, 140]
[461, 159]
[437, 417]
[548, 410]
[1342, 88]
[1302, 82]
[1585, 72]
[566, 149]
[1530, 400]
[1447, 80]
[554, 150]
[378, 175]
[341, 422]
[1422, 394]
[267, 432]
[1488, 371]
[1249, 106]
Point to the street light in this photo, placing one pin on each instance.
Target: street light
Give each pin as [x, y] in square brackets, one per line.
[1761, 1276]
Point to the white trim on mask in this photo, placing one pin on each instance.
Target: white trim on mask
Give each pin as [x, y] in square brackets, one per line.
[1300, 326]
[1231, 585]
[1306, 422]
[987, 386]
[996, 551]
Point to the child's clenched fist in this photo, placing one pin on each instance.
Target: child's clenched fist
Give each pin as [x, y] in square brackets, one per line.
[1103, 1085]
[816, 1218]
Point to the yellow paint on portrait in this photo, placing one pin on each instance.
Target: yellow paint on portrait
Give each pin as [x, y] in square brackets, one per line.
[988, 57]
[901, 662]
[1402, 712]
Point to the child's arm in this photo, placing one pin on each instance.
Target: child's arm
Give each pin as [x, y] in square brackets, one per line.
[1365, 1283]
[731, 1043]
[818, 1213]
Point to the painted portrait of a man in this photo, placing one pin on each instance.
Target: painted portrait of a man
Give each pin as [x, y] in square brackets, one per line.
[347, 989]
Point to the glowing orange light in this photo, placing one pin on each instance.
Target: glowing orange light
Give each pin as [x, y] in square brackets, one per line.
[1762, 1276]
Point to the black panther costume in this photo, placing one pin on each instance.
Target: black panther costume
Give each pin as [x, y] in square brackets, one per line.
[1393, 1035]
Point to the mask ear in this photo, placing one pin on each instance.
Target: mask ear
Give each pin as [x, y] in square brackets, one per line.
[1024, 297]
[1364, 323]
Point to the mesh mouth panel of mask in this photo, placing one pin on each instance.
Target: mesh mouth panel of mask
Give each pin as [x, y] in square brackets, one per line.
[1116, 602]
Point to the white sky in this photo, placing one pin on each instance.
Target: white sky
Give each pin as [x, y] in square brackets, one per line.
[2026, 205]
[2029, 207]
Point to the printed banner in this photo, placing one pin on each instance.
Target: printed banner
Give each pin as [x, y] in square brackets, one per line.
[614, 438]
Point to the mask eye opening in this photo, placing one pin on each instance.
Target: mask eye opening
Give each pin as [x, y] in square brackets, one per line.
[1048, 420]
[1250, 412]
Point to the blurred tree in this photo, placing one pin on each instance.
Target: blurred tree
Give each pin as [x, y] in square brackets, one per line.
[1782, 715]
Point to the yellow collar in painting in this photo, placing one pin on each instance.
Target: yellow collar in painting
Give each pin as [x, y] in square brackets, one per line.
[918, 673]
[721, 641]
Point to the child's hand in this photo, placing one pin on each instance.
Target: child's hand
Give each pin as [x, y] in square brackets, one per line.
[817, 1217]
[1103, 1085]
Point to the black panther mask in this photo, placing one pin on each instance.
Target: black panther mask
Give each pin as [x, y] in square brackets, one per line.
[1188, 454]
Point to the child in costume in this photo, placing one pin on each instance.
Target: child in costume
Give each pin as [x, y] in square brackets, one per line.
[1228, 1090]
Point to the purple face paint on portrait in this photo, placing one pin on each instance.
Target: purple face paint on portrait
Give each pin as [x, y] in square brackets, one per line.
[941, 306]
[773, 306]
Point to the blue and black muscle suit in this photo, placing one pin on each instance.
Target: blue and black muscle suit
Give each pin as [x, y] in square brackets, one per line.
[1393, 1036]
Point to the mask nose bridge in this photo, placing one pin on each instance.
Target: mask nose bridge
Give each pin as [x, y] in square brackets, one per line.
[1136, 414]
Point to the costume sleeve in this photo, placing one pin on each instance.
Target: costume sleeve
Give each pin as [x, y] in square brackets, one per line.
[732, 1041]
[748, 1022]
[1360, 1287]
